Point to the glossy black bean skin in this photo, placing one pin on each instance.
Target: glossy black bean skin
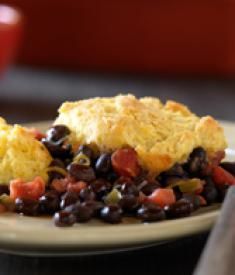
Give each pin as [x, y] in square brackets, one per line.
[27, 207]
[69, 198]
[210, 193]
[111, 176]
[150, 212]
[197, 162]
[49, 203]
[177, 192]
[129, 202]
[87, 194]
[86, 150]
[4, 189]
[179, 209]
[111, 214]
[100, 187]
[79, 172]
[82, 211]
[148, 187]
[103, 163]
[57, 132]
[228, 166]
[175, 171]
[64, 218]
[57, 163]
[129, 188]
[58, 150]
[96, 206]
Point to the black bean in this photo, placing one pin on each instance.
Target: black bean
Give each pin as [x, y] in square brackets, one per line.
[64, 218]
[82, 211]
[49, 202]
[181, 208]
[57, 163]
[103, 163]
[210, 192]
[111, 176]
[176, 171]
[86, 150]
[4, 189]
[87, 194]
[101, 187]
[96, 206]
[177, 192]
[58, 150]
[27, 207]
[229, 166]
[147, 187]
[69, 198]
[222, 191]
[129, 188]
[79, 172]
[57, 133]
[129, 202]
[193, 200]
[150, 212]
[197, 162]
[111, 214]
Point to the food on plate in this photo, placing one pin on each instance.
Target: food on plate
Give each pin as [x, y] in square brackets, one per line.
[110, 158]
[161, 135]
[21, 155]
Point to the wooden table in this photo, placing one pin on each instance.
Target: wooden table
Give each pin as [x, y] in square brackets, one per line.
[29, 95]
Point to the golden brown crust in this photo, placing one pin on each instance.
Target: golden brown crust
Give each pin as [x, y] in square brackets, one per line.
[21, 155]
[161, 134]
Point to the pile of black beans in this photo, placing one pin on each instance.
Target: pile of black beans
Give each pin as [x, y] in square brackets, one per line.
[108, 196]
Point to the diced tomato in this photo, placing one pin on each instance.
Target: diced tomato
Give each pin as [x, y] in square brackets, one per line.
[76, 186]
[60, 185]
[162, 197]
[221, 176]
[125, 162]
[213, 162]
[36, 133]
[27, 190]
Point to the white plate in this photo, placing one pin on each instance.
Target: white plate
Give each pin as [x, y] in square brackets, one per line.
[38, 236]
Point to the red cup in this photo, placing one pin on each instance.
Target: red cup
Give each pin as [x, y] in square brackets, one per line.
[10, 34]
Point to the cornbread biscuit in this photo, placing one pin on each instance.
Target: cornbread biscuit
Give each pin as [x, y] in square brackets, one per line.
[161, 134]
[21, 155]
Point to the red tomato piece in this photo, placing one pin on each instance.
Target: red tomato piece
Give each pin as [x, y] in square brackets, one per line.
[125, 162]
[213, 162]
[60, 185]
[27, 190]
[76, 186]
[162, 197]
[221, 176]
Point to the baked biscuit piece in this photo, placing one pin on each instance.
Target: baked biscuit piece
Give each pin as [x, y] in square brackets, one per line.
[161, 134]
[21, 155]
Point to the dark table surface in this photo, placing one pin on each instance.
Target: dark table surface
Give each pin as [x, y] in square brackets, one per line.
[31, 95]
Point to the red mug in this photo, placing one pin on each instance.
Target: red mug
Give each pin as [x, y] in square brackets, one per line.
[10, 33]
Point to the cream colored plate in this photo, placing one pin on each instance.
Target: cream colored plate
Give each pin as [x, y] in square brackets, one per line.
[38, 236]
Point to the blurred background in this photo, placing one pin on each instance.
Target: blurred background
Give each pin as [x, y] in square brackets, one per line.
[57, 50]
